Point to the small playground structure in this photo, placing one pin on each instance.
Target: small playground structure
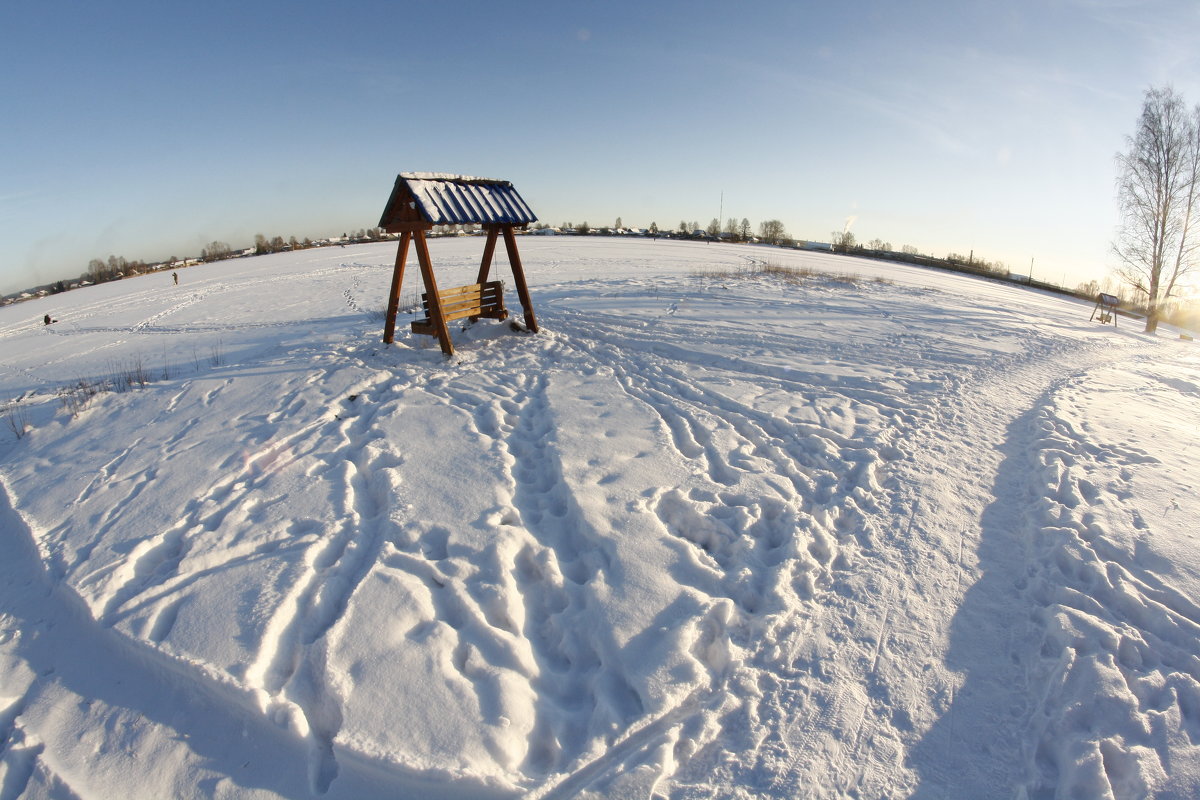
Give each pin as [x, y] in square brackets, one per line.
[1106, 308]
[420, 200]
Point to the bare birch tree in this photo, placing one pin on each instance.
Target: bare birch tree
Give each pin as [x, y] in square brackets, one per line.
[1157, 191]
[731, 228]
[771, 231]
[1189, 240]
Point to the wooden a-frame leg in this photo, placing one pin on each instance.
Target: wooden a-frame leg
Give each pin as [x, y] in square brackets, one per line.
[489, 250]
[431, 292]
[514, 261]
[389, 325]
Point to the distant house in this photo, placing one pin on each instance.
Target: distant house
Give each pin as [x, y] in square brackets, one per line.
[823, 247]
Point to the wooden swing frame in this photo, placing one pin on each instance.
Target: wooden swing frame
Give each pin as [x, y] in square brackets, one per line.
[1106, 306]
[413, 233]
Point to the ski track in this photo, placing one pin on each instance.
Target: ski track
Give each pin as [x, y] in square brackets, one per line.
[832, 735]
[732, 441]
[552, 562]
[1107, 619]
[289, 668]
[705, 426]
[554, 559]
[143, 698]
[788, 522]
[1052, 612]
[87, 319]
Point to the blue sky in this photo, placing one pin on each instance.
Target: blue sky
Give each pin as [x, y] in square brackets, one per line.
[150, 129]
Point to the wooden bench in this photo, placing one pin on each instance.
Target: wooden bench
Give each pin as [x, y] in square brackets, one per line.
[474, 300]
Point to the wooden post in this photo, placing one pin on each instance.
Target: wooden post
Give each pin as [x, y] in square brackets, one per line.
[389, 325]
[489, 250]
[514, 261]
[431, 292]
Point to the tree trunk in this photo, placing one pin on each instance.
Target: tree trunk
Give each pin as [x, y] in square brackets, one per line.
[1152, 305]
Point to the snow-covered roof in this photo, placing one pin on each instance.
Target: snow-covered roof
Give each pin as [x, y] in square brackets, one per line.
[447, 176]
[443, 199]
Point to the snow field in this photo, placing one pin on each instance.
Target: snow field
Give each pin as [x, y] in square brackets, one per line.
[1117, 592]
[710, 534]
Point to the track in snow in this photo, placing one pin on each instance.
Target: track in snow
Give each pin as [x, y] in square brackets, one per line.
[830, 502]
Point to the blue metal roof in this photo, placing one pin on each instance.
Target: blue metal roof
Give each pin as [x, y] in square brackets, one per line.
[442, 199]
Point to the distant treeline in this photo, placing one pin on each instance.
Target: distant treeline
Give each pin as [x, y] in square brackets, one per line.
[1182, 313]
[113, 268]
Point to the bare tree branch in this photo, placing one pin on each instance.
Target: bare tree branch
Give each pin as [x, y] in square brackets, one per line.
[1157, 191]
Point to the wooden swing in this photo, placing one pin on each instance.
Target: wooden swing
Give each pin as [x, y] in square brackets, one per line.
[420, 200]
[1106, 305]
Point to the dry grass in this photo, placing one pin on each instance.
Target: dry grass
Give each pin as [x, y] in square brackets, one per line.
[74, 397]
[17, 419]
[123, 376]
[791, 275]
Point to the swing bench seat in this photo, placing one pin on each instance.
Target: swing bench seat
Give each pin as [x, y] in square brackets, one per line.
[472, 301]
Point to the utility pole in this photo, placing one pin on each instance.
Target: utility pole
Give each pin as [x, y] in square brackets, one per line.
[1031, 269]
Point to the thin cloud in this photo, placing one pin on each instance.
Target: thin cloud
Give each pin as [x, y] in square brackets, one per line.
[927, 118]
[1166, 29]
[14, 202]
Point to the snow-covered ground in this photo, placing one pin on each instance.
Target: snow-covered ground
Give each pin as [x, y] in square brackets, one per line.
[712, 532]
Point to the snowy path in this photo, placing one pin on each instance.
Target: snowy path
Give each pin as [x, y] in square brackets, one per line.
[1079, 663]
[83, 713]
[709, 534]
